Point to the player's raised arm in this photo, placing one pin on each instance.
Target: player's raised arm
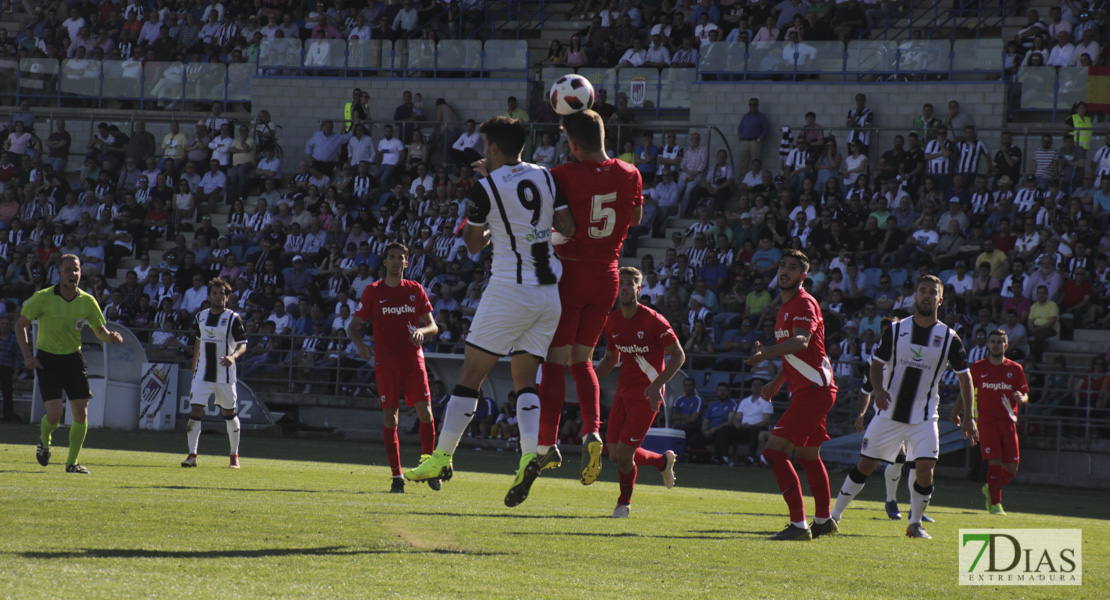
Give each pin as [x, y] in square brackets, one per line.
[792, 345]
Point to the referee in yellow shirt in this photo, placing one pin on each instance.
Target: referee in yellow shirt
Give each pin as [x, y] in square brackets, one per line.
[62, 311]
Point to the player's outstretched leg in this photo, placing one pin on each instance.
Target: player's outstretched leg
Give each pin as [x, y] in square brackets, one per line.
[912, 477]
[192, 436]
[553, 390]
[456, 418]
[77, 433]
[791, 488]
[818, 478]
[42, 453]
[233, 427]
[663, 462]
[892, 476]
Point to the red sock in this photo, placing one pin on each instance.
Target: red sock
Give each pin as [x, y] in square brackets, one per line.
[994, 483]
[818, 479]
[553, 392]
[789, 484]
[1004, 478]
[427, 437]
[651, 459]
[628, 481]
[589, 395]
[392, 449]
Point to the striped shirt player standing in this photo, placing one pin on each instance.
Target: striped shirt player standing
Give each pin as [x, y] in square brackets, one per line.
[971, 150]
[221, 339]
[605, 195]
[638, 337]
[905, 373]
[800, 332]
[1100, 162]
[513, 208]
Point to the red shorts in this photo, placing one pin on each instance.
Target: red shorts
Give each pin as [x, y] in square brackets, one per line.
[587, 292]
[630, 419]
[412, 383]
[803, 423]
[998, 440]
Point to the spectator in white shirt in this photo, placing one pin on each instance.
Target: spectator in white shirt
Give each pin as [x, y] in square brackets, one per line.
[211, 187]
[634, 56]
[221, 146]
[195, 296]
[390, 149]
[468, 148]
[406, 20]
[657, 54]
[360, 148]
[1062, 53]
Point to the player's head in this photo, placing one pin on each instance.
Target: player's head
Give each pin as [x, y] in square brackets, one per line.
[997, 342]
[629, 291]
[503, 139]
[793, 269]
[928, 295]
[396, 258]
[585, 131]
[70, 271]
[218, 291]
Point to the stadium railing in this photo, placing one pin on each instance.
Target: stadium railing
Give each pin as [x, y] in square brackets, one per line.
[861, 60]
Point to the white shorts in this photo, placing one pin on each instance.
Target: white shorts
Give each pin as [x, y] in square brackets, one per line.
[884, 438]
[516, 318]
[224, 392]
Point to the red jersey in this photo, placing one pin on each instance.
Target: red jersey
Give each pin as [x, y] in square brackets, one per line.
[601, 196]
[640, 342]
[810, 367]
[994, 389]
[394, 313]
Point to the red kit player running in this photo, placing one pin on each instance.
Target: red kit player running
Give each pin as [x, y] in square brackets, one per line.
[605, 196]
[800, 332]
[640, 336]
[1000, 387]
[401, 317]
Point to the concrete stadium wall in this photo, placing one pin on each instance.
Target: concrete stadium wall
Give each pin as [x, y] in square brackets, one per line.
[895, 107]
[299, 104]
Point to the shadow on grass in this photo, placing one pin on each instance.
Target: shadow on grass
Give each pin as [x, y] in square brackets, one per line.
[229, 489]
[259, 553]
[491, 515]
[602, 534]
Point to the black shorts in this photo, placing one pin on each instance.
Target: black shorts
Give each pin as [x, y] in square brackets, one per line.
[63, 372]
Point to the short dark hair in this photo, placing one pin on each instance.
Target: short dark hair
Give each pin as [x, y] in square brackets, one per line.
[508, 134]
[1005, 338]
[218, 283]
[799, 256]
[395, 246]
[586, 129]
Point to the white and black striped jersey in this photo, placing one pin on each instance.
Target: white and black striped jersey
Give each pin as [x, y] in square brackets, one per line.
[518, 203]
[697, 257]
[861, 118]
[1025, 198]
[363, 185]
[377, 246]
[218, 335]
[970, 153]
[1102, 163]
[938, 165]
[914, 359]
[977, 353]
[982, 203]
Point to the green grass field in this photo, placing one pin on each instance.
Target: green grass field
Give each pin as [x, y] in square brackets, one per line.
[313, 519]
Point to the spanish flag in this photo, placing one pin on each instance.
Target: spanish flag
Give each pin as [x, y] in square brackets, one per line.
[1098, 89]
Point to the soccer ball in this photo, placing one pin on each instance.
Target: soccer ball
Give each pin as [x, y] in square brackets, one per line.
[571, 94]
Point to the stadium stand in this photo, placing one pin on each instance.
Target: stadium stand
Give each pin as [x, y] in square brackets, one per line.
[165, 141]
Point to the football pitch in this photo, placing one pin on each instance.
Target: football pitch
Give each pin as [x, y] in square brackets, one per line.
[314, 519]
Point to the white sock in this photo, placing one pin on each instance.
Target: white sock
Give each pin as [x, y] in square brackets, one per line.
[911, 479]
[893, 475]
[528, 419]
[233, 434]
[456, 418]
[848, 492]
[541, 449]
[800, 524]
[820, 520]
[919, 501]
[194, 435]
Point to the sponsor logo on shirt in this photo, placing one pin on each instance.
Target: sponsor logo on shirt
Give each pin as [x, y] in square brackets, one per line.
[997, 386]
[634, 349]
[398, 310]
